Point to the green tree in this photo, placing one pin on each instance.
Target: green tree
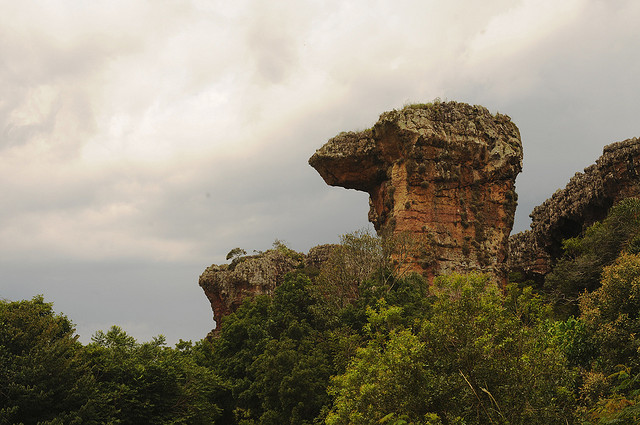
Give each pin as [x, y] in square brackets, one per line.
[621, 404]
[235, 254]
[276, 356]
[470, 360]
[149, 383]
[603, 343]
[242, 337]
[612, 314]
[291, 377]
[43, 379]
[585, 256]
[386, 379]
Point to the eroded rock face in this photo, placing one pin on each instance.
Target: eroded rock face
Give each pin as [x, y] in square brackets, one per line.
[586, 199]
[228, 285]
[443, 173]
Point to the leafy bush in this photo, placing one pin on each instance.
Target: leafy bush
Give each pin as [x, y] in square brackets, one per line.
[149, 383]
[359, 342]
[470, 360]
[42, 376]
[585, 257]
[612, 314]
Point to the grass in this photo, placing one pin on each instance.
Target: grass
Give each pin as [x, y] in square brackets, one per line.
[430, 105]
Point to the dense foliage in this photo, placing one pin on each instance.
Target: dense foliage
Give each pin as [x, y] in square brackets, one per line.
[580, 269]
[48, 377]
[354, 343]
[42, 376]
[469, 360]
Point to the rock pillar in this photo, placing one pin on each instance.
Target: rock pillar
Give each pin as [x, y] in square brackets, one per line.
[440, 176]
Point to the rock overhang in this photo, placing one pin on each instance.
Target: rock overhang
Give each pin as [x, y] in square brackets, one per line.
[444, 172]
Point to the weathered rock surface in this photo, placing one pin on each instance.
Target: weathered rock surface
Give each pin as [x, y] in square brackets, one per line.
[228, 285]
[443, 173]
[586, 199]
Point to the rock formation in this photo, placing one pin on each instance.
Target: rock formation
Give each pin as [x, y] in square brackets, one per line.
[442, 173]
[585, 200]
[228, 285]
[442, 176]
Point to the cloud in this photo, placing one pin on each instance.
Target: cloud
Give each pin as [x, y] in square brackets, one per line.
[525, 24]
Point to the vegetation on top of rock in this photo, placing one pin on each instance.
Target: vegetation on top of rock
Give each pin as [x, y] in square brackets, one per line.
[282, 248]
[429, 105]
[235, 253]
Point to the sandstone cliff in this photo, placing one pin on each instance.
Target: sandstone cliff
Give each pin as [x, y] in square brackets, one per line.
[228, 285]
[585, 200]
[443, 173]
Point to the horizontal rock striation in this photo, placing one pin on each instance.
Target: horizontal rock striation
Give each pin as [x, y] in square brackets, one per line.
[443, 173]
[586, 199]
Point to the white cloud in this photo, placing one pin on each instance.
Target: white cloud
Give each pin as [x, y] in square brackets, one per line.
[524, 25]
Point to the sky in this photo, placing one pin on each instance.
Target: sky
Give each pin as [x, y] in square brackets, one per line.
[140, 141]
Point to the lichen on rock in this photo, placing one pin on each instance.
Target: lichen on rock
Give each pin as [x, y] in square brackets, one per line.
[228, 285]
[443, 172]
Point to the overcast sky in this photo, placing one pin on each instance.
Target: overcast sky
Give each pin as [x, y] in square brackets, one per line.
[142, 140]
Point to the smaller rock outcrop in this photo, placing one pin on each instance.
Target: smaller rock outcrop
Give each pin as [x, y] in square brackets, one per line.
[586, 199]
[443, 173]
[228, 285]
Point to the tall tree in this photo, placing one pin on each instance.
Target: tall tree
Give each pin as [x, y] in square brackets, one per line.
[43, 379]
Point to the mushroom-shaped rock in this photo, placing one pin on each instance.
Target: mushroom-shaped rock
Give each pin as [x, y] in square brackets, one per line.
[441, 173]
